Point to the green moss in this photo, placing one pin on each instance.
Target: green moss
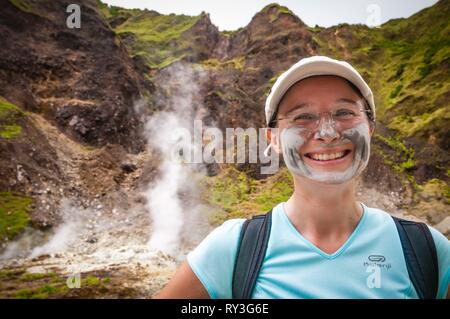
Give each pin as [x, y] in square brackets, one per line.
[425, 70]
[91, 281]
[236, 195]
[8, 109]
[39, 292]
[436, 188]
[279, 189]
[10, 131]
[230, 33]
[229, 189]
[395, 92]
[24, 293]
[9, 116]
[427, 122]
[110, 11]
[409, 164]
[11, 273]
[24, 5]
[236, 63]
[399, 156]
[155, 28]
[158, 38]
[14, 210]
[36, 276]
[280, 8]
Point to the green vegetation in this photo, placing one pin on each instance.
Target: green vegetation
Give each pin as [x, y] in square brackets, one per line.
[5, 274]
[7, 109]
[30, 276]
[113, 11]
[157, 37]
[155, 28]
[398, 156]
[236, 195]
[437, 188]
[9, 116]
[236, 63]
[41, 292]
[10, 131]
[25, 285]
[427, 123]
[279, 10]
[91, 281]
[405, 62]
[395, 92]
[96, 283]
[24, 5]
[14, 210]
[18, 283]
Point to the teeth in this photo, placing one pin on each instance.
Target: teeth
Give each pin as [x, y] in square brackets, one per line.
[327, 157]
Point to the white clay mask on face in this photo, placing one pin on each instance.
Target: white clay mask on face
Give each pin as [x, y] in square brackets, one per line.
[293, 138]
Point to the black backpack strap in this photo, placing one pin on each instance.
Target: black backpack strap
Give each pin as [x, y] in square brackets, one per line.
[420, 256]
[253, 241]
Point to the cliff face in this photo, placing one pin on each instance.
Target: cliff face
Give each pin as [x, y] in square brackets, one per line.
[405, 61]
[82, 80]
[84, 83]
[78, 84]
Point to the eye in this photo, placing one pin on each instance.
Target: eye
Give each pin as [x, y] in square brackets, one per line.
[304, 117]
[345, 113]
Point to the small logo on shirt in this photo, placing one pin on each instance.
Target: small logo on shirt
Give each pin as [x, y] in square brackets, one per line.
[377, 261]
[374, 265]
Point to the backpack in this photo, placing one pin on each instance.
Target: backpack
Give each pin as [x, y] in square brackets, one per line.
[416, 239]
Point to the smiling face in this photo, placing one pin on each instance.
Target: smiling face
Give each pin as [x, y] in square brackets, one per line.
[328, 152]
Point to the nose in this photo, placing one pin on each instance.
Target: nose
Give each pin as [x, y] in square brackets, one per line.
[326, 129]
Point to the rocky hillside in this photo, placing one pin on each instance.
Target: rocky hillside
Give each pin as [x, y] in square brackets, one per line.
[80, 81]
[76, 107]
[406, 62]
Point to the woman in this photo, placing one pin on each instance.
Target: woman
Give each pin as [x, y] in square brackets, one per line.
[322, 241]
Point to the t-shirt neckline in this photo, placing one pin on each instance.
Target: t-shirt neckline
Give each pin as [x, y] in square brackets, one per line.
[341, 249]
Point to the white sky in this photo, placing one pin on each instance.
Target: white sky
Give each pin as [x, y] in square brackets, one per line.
[233, 14]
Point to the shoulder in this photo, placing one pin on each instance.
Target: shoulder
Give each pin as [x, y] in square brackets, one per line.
[213, 259]
[382, 220]
[228, 230]
[443, 254]
[223, 237]
[440, 240]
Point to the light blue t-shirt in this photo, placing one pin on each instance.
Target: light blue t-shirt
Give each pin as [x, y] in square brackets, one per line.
[369, 265]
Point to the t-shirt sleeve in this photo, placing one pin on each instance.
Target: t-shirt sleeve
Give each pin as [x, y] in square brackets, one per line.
[443, 254]
[212, 260]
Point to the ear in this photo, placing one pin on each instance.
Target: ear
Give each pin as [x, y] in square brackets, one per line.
[272, 137]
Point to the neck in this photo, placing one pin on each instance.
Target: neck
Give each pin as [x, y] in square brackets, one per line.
[323, 210]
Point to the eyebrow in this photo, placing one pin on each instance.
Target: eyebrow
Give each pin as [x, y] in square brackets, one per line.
[346, 100]
[305, 104]
[297, 107]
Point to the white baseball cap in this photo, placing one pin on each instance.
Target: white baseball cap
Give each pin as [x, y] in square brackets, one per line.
[311, 66]
[315, 65]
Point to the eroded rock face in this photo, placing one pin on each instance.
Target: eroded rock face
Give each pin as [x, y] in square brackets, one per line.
[81, 85]
[60, 89]
[81, 79]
